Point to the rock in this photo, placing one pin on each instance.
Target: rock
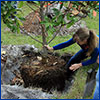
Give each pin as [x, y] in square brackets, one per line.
[7, 76]
[29, 48]
[15, 92]
[3, 52]
[39, 58]
[12, 59]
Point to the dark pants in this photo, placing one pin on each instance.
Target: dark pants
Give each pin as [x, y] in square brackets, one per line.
[77, 58]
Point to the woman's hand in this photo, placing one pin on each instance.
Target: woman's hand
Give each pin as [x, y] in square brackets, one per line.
[75, 66]
[49, 48]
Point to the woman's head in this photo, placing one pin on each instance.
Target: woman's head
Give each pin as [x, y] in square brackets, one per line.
[81, 36]
[86, 36]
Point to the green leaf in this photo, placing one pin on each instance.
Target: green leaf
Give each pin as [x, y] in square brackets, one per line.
[56, 11]
[8, 25]
[54, 18]
[70, 24]
[9, 13]
[90, 15]
[56, 24]
[53, 29]
[20, 23]
[64, 22]
[2, 9]
[14, 28]
[37, 2]
[68, 16]
[9, 6]
[75, 19]
[42, 22]
[12, 3]
[18, 30]
[61, 6]
[46, 19]
[47, 24]
[22, 18]
[47, 28]
[60, 19]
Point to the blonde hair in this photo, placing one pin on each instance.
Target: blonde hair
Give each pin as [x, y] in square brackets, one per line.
[90, 36]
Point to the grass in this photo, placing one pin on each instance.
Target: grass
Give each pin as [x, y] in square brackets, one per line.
[93, 23]
[77, 89]
[76, 92]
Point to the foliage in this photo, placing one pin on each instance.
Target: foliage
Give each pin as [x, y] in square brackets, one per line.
[64, 10]
[10, 16]
[84, 8]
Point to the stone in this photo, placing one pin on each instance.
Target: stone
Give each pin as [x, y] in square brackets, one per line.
[12, 54]
[18, 92]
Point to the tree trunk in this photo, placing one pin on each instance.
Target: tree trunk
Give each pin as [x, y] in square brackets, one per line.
[44, 53]
[42, 19]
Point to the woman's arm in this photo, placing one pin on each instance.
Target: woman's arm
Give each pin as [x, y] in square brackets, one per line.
[88, 62]
[93, 58]
[61, 45]
[64, 44]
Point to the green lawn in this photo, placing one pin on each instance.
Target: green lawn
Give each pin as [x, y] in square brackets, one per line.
[77, 89]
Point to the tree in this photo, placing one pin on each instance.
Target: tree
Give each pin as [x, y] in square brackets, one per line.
[73, 11]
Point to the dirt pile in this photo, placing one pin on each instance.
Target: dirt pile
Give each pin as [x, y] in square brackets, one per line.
[31, 24]
[51, 75]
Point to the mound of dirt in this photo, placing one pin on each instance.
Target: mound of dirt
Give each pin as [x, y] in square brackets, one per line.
[48, 76]
[31, 24]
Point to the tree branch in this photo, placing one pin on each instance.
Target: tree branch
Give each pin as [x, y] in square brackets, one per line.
[31, 36]
[55, 34]
[46, 8]
[34, 38]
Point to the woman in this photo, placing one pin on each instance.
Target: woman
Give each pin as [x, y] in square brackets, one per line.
[88, 41]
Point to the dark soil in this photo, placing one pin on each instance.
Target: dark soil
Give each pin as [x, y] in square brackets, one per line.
[49, 75]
